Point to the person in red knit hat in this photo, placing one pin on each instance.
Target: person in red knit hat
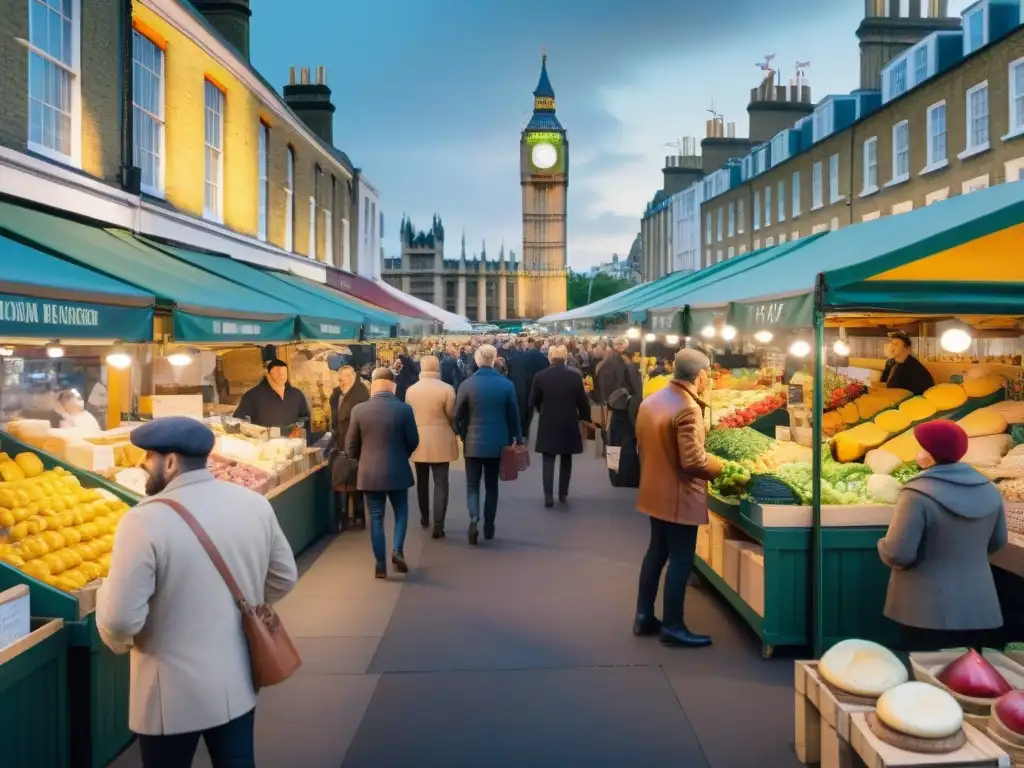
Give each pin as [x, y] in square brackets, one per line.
[948, 520]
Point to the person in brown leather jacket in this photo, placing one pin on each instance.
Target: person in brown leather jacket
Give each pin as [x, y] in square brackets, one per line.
[674, 472]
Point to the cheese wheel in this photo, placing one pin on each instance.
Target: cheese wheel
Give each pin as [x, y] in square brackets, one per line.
[921, 710]
[862, 668]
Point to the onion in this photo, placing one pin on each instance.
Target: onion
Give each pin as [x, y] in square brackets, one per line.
[972, 675]
[1010, 711]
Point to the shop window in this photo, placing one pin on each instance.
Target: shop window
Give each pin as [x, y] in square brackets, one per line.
[148, 113]
[936, 136]
[213, 197]
[977, 120]
[54, 85]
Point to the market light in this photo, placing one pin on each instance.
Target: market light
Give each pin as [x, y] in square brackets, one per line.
[633, 333]
[728, 333]
[955, 340]
[120, 360]
[180, 359]
[6, 351]
[841, 348]
[54, 352]
[708, 332]
[650, 337]
[672, 340]
[763, 337]
[800, 348]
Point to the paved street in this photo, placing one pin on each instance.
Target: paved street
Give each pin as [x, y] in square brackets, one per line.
[516, 653]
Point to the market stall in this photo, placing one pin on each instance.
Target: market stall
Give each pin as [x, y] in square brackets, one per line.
[806, 530]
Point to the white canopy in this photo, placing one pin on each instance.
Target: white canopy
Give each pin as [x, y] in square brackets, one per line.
[449, 320]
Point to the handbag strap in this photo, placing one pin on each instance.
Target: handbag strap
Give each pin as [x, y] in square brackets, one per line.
[208, 545]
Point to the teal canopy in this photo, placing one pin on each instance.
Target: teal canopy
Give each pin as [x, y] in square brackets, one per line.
[377, 322]
[206, 308]
[319, 318]
[44, 297]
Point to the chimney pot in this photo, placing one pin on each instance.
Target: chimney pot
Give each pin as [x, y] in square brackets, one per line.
[291, 75]
[321, 75]
[304, 76]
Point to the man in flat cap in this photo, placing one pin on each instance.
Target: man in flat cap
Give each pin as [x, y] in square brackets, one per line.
[674, 475]
[163, 599]
[274, 402]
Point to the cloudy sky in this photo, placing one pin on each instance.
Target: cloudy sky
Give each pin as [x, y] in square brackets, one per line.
[431, 95]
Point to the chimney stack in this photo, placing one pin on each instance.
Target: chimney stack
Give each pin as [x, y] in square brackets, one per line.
[311, 101]
[230, 18]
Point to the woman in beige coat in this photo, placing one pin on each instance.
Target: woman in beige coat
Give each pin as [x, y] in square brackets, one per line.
[433, 403]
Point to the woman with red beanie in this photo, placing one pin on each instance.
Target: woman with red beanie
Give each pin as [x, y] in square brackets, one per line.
[948, 520]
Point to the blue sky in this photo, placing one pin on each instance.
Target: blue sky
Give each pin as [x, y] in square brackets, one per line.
[431, 95]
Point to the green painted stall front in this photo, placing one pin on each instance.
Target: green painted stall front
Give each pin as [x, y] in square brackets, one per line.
[34, 705]
[305, 510]
[855, 582]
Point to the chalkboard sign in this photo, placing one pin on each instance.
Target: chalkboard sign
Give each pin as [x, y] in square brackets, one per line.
[796, 394]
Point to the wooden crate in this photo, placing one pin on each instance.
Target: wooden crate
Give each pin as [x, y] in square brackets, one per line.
[978, 752]
[823, 723]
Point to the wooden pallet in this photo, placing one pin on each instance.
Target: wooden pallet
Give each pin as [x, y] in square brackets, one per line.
[823, 723]
[978, 752]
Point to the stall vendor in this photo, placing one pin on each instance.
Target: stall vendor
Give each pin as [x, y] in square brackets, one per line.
[70, 413]
[274, 402]
[902, 369]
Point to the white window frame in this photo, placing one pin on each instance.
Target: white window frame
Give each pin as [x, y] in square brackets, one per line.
[289, 200]
[741, 225]
[794, 208]
[346, 249]
[869, 166]
[720, 224]
[816, 184]
[757, 210]
[968, 47]
[780, 202]
[898, 84]
[973, 147]
[217, 214]
[901, 128]
[921, 49]
[73, 70]
[707, 228]
[833, 179]
[263, 180]
[934, 146]
[312, 227]
[141, 113]
[732, 219]
[1016, 89]
[768, 206]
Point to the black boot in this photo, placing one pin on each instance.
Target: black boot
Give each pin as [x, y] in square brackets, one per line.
[646, 625]
[681, 637]
[398, 560]
[563, 499]
[425, 520]
[438, 532]
[549, 501]
[488, 530]
[474, 534]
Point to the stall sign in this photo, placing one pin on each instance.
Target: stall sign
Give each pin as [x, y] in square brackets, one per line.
[29, 317]
[790, 312]
[201, 328]
[15, 615]
[177, 405]
[667, 323]
[312, 328]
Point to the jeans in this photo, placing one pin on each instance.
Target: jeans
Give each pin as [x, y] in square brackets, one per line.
[377, 501]
[564, 474]
[440, 472]
[488, 470]
[230, 746]
[677, 544]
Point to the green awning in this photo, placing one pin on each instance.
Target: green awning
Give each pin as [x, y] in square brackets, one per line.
[44, 297]
[206, 308]
[319, 318]
[377, 322]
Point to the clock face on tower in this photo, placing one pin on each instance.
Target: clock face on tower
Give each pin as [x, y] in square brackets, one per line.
[544, 155]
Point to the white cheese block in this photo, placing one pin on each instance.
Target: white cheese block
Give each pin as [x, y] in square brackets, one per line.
[862, 668]
[920, 709]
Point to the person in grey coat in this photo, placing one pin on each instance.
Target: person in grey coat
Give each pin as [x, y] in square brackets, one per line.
[487, 420]
[948, 520]
[383, 432]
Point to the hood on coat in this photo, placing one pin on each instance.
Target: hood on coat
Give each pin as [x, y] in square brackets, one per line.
[958, 488]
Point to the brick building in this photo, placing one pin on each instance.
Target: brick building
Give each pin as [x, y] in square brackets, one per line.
[945, 118]
[181, 137]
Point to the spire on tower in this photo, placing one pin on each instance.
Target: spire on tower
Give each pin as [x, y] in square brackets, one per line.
[544, 94]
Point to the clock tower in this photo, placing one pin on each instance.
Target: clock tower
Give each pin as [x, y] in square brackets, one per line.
[544, 176]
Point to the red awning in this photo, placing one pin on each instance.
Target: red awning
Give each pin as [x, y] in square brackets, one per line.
[365, 289]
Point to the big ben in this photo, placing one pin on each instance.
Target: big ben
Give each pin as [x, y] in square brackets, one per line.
[544, 176]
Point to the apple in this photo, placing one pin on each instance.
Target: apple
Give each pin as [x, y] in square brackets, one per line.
[1009, 709]
[972, 675]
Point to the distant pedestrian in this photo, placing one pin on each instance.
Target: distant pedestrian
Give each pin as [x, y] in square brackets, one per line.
[382, 437]
[487, 419]
[521, 370]
[433, 405]
[350, 392]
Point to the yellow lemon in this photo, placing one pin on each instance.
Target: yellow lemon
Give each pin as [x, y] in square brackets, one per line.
[82, 495]
[66, 583]
[33, 493]
[71, 535]
[88, 514]
[53, 540]
[71, 557]
[23, 499]
[34, 547]
[60, 503]
[72, 482]
[54, 562]
[12, 558]
[20, 513]
[46, 486]
[6, 518]
[37, 569]
[39, 520]
[92, 571]
[86, 551]
[78, 577]
[18, 531]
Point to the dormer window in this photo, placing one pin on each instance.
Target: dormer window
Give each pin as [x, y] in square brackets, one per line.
[824, 120]
[974, 29]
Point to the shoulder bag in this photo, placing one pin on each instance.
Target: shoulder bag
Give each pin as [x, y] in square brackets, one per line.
[272, 655]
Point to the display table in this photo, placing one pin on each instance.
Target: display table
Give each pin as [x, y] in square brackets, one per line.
[304, 507]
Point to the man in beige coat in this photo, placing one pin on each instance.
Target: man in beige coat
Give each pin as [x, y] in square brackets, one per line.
[164, 600]
[433, 404]
[674, 470]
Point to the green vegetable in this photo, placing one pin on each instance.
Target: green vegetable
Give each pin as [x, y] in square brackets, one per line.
[737, 444]
[768, 489]
[732, 481]
[906, 471]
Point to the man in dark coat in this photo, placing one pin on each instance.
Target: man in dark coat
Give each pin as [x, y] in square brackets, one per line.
[620, 389]
[451, 372]
[407, 373]
[383, 429]
[521, 370]
[487, 420]
[349, 393]
[902, 369]
[559, 396]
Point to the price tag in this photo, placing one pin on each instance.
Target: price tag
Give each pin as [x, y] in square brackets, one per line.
[178, 405]
[15, 616]
[796, 394]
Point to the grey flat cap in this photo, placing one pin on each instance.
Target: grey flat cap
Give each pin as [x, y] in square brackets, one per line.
[174, 434]
[689, 363]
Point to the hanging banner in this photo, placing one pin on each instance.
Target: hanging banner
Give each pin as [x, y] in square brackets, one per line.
[210, 330]
[29, 317]
[790, 312]
[314, 329]
[667, 322]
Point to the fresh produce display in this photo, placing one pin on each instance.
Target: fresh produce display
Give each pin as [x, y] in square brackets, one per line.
[839, 390]
[862, 668]
[736, 378]
[1009, 710]
[920, 710]
[738, 408]
[235, 472]
[906, 471]
[984, 386]
[732, 481]
[58, 532]
[737, 444]
[946, 397]
[972, 675]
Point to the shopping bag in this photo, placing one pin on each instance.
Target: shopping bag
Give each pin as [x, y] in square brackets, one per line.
[589, 430]
[612, 454]
[508, 469]
[522, 457]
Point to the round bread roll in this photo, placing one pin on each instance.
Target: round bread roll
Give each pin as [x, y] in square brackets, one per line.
[862, 668]
[920, 709]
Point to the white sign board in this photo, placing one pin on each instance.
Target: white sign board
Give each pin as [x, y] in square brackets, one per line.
[15, 616]
[178, 405]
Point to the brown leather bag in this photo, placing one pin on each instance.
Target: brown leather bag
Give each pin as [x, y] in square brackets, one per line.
[272, 655]
[508, 468]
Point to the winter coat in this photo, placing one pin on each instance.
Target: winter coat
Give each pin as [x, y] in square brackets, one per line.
[486, 415]
[559, 396]
[433, 404]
